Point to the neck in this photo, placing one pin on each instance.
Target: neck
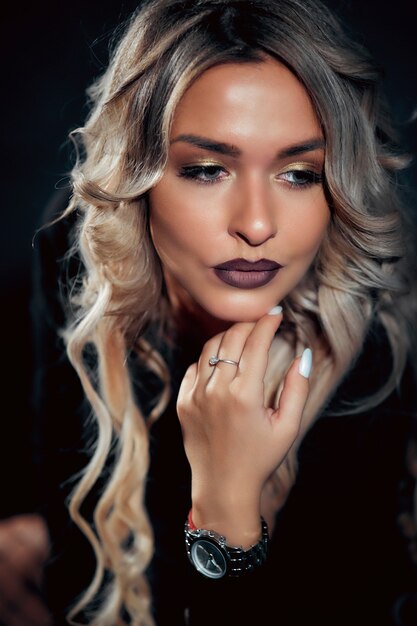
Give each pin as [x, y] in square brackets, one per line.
[193, 324]
[196, 326]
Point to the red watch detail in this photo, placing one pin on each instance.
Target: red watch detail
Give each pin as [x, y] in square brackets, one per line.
[190, 521]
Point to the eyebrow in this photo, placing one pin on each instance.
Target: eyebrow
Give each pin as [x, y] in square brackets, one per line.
[229, 150]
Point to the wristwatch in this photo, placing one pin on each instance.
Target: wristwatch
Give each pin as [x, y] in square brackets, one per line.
[212, 557]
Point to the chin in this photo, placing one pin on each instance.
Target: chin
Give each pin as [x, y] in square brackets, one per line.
[243, 310]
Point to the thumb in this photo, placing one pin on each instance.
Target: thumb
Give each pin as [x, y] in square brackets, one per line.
[294, 396]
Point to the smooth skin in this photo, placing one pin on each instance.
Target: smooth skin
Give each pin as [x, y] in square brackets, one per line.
[256, 193]
[256, 203]
[233, 441]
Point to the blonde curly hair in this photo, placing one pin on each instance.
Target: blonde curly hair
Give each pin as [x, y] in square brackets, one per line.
[359, 275]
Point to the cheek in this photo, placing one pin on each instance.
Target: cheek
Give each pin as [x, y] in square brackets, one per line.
[187, 220]
[307, 228]
[175, 231]
[159, 225]
[164, 235]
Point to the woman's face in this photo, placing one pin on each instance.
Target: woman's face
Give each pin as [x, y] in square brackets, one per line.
[240, 211]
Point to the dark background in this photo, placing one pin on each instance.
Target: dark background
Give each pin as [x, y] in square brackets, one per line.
[50, 53]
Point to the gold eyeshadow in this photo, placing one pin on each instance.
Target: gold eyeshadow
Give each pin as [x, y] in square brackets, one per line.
[300, 166]
[202, 163]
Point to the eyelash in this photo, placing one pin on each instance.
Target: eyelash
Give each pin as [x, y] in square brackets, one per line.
[196, 172]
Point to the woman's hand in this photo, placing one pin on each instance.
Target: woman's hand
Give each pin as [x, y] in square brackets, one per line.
[232, 440]
[24, 547]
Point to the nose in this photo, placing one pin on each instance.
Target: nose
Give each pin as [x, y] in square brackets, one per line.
[253, 217]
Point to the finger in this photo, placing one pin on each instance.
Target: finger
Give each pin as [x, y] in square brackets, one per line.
[230, 348]
[33, 612]
[254, 359]
[19, 603]
[30, 614]
[24, 558]
[204, 369]
[32, 531]
[188, 381]
[293, 398]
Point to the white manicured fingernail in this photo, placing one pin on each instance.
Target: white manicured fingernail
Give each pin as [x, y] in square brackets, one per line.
[275, 311]
[306, 363]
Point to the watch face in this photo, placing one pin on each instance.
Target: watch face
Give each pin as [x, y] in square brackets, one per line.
[208, 558]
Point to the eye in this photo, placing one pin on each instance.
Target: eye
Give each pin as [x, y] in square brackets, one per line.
[205, 174]
[301, 178]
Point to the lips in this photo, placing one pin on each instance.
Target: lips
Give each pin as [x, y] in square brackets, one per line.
[245, 274]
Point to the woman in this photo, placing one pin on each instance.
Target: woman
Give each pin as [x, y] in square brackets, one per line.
[243, 249]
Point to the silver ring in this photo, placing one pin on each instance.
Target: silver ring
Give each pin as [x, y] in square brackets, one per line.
[213, 360]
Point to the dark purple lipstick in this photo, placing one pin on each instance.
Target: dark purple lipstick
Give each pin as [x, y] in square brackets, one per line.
[245, 274]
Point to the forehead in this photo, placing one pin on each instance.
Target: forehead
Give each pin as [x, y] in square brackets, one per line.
[244, 101]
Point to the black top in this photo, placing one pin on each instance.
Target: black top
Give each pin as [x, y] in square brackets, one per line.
[336, 557]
